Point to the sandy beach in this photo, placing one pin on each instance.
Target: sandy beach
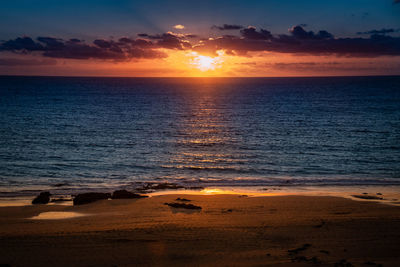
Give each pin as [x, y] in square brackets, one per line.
[229, 230]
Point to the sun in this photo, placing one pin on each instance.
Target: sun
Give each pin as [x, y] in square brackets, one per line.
[206, 63]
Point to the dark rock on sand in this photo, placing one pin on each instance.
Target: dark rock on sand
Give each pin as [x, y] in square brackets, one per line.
[183, 199]
[61, 199]
[367, 197]
[42, 198]
[183, 205]
[123, 194]
[86, 198]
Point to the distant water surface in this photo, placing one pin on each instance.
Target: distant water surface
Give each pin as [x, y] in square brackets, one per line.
[87, 133]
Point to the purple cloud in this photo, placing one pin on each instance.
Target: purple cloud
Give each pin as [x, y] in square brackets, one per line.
[227, 27]
[382, 31]
[300, 41]
[297, 41]
[123, 50]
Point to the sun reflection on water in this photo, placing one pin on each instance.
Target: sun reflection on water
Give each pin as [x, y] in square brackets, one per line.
[205, 136]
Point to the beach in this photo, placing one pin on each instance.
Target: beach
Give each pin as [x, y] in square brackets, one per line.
[199, 133]
[228, 230]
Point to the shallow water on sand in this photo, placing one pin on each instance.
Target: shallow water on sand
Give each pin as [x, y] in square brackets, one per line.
[57, 215]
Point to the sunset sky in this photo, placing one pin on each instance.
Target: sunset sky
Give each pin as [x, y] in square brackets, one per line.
[200, 38]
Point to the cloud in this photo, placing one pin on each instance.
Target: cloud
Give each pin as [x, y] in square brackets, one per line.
[382, 31]
[396, 1]
[22, 44]
[252, 33]
[300, 33]
[179, 27]
[147, 46]
[299, 41]
[12, 62]
[123, 50]
[191, 35]
[227, 27]
[170, 40]
[296, 41]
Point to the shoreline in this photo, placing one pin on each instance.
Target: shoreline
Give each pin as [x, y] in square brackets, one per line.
[388, 194]
[228, 230]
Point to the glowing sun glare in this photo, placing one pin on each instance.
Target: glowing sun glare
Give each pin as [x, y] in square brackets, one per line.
[205, 63]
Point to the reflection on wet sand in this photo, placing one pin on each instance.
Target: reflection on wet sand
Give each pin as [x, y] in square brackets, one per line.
[57, 215]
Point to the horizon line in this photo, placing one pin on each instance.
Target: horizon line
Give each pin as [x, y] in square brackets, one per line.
[197, 77]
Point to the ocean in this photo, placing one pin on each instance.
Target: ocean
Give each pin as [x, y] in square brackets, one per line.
[71, 134]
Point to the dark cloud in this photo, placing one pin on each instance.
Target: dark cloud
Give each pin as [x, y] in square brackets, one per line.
[252, 33]
[191, 36]
[396, 1]
[170, 40]
[297, 41]
[300, 41]
[21, 44]
[103, 43]
[300, 33]
[12, 62]
[382, 31]
[227, 27]
[123, 50]
[74, 40]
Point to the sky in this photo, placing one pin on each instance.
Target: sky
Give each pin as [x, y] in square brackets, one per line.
[156, 38]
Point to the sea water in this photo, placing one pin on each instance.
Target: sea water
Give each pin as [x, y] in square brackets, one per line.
[79, 134]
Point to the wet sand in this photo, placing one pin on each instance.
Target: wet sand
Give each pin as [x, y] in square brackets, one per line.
[229, 230]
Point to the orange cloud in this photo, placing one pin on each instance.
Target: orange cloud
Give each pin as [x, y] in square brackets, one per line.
[179, 27]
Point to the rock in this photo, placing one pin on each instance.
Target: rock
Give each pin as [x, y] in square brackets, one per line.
[367, 197]
[42, 198]
[183, 199]
[123, 194]
[86, 198]
[61, 199]
[183, 205]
